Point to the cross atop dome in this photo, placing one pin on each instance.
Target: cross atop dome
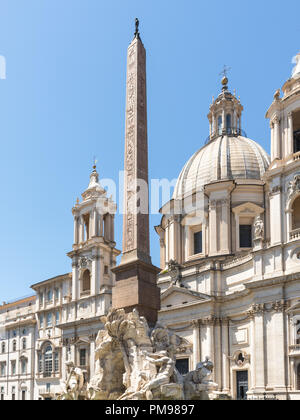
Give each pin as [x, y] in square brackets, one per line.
[224, 73]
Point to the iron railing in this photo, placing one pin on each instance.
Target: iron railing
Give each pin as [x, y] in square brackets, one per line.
[233, 132]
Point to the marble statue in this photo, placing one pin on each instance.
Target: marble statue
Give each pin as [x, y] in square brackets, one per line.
[258, 228]
[296, 70]
[75, 385]
[136, 363]
[197, 384]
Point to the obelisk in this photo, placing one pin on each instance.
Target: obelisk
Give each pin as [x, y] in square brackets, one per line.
[136, 276]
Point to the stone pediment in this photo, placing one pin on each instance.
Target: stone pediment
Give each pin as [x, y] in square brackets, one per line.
[248, 209]
[174, 296]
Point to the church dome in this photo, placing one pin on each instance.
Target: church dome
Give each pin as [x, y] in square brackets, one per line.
[227, 157]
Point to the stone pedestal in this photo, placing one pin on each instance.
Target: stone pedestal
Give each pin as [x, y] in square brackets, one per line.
[136, 289]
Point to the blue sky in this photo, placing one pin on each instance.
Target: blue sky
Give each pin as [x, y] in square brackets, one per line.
[63, 102]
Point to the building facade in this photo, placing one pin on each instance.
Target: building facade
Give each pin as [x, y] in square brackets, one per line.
[230, 268]
[230, 251]
[60, 323]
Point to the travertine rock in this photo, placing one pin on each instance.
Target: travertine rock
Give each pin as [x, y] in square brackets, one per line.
[136, 363]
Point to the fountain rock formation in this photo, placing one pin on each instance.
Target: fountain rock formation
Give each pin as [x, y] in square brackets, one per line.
[134, 362]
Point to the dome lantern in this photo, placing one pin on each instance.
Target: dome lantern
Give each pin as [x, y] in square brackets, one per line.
[225, 116]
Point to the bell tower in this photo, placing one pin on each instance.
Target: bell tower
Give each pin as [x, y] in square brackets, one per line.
[284, 116]
[94, 253]
[284, 173]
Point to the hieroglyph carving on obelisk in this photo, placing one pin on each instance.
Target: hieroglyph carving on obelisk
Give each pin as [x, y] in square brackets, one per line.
[136, 205]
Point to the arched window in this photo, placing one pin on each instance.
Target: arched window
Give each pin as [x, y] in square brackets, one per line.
[86, 281]
[298, 377]
[228, 123]
[296, 214]
[220, 124]
[14, 345]
[48, 361]
[3, 348]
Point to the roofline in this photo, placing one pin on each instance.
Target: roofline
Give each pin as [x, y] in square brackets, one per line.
[56, 278]
[18, 302]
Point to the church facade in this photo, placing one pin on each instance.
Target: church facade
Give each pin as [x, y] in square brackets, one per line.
[230, 277]
[230, 267]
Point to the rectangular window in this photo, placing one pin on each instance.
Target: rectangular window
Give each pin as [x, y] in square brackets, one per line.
[49, 320]
[198, 243]
[56, 362]
[82, 357]
[2, 393]
[13, 367]
[297, 141]
[57, 317]
[41, 321]
[56, 293]
[48, 387]
[182, 365]
[23, 367]
[245, 236]
[13, 393]
[2, 369]
[49, 296]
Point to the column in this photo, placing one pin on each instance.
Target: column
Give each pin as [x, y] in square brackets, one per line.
[93, 223]
[279, 347]
[276, 214]
[225, 355]
[92, 358]
[112, 227]
[162, 253]
[252, 351]
[101, 225]
[259, 351]
[172, 239]
[276, 138]
[237, 232]
[74, 281]
[223, 120]
[272, 142]
[290, 141]
[76, 236]
[213, 227]
[225, 226]
[218, 353]
[214, 129]
[81, 229]
[63, 361]
[167, 244]
[93, 275]
[196, 344]
[234, 125]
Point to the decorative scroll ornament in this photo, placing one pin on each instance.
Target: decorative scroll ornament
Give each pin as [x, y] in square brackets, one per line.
[84, 262]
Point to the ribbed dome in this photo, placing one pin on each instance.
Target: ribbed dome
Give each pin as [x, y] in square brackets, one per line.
[225, 158]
